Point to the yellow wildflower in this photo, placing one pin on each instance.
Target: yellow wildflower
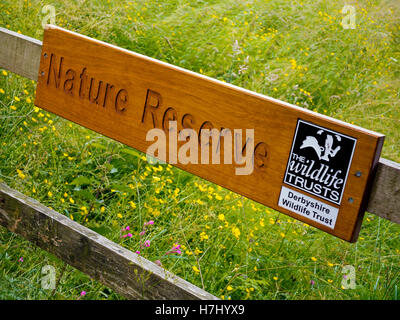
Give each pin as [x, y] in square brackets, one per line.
[195, 269]
[236, 232]
[20, 174]
[203, 236]
[133, 205]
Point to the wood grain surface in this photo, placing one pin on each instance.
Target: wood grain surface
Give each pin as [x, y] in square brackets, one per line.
[122, 95]
[19, 53]
[383, 201]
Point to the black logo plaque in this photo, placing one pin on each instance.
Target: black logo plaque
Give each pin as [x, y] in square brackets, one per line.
[319, 161]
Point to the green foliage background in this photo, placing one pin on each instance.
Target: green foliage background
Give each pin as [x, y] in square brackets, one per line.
[295, 51]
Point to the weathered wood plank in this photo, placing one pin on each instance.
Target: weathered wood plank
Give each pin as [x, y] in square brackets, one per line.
[116, 267]
[384, 199]
[19, 54]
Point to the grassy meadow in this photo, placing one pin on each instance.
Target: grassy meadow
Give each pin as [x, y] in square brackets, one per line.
[295, 51]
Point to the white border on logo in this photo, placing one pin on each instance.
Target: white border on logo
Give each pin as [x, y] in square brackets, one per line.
[348, 167]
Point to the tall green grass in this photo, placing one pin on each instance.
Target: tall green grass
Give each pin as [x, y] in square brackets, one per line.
[232, 247]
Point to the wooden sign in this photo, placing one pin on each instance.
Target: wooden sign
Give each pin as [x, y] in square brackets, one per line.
[306, 165]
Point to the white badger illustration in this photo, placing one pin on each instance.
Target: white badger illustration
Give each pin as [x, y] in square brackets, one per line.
[312, 142]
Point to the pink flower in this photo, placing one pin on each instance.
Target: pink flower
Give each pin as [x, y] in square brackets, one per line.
[150, 222]
[175, 249]
[158, 262]
[142, 233]
[21, 259]
[83, 293]
[127, 235]
[312, 282]
[147, 243]
[137, 252]
[127, 228]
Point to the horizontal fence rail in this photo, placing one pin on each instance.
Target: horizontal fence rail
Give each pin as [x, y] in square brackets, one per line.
[21, 54]
[384, 200]
[116, 267]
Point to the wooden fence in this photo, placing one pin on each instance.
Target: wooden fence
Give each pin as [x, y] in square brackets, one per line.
[116, 267]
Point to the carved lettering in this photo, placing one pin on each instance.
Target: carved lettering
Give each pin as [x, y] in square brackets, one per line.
[98, 91]
[121, 100]
[188, 121]
[53, 70]
[260, 156]
[69, 82]
[109, 87]
[205, 125]
[91, 88]
[82, 84]
[152, 103]
[169, 115]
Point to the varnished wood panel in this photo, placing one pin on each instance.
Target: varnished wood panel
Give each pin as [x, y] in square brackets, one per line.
[385, 196]
[137, 93]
